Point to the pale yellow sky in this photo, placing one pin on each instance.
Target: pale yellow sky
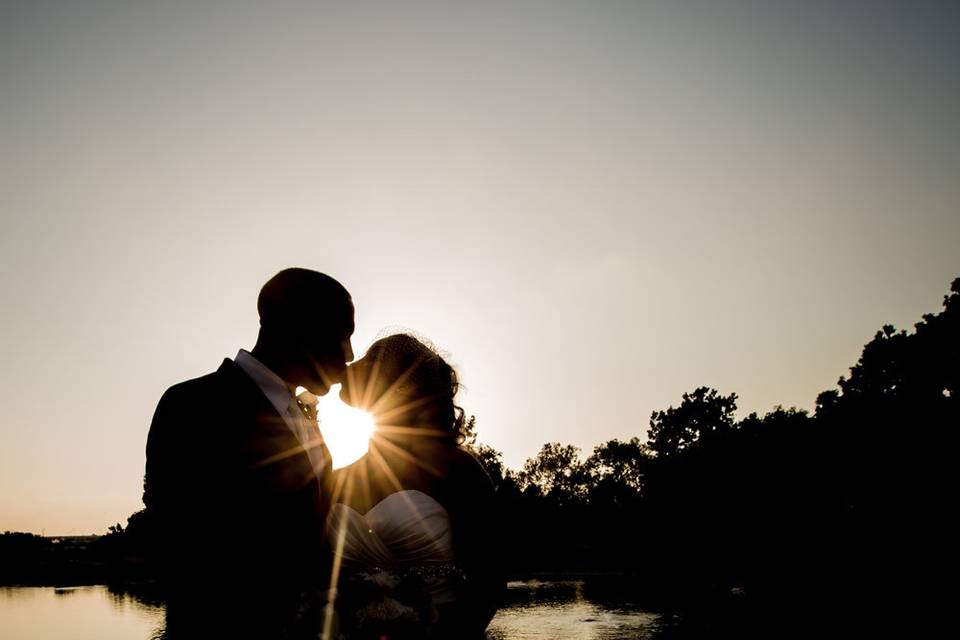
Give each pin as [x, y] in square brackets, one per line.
[593, 207]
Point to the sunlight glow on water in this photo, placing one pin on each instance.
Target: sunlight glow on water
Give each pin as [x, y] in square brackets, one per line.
[556, 610]
[75, 613]
[561, 611]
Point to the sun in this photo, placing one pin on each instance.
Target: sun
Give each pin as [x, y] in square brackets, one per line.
[346, 430]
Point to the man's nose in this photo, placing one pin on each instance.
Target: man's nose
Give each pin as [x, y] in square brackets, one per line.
[347, 351]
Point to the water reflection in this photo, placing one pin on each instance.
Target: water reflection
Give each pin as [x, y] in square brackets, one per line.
[535, 610]
[564, 610]
[45, 613]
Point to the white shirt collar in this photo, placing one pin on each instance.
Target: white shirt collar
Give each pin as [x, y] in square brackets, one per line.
[270, 383]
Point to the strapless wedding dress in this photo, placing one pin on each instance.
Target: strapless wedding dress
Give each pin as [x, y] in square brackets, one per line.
[407, 533]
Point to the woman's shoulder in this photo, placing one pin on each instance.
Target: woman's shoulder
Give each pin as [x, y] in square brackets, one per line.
[463, 456]
[466, 470]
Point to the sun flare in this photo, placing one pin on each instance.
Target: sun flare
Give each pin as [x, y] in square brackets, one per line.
[346, 430]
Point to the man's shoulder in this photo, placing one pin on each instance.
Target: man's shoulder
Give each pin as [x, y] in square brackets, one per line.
[200, 382]
[206, 386]
[195, 386]
[226, 374]
[190, 403]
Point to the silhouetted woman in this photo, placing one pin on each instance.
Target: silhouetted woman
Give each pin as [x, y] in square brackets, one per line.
[415, 523]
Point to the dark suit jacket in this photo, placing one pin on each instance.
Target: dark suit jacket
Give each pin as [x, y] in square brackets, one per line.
[231, 492]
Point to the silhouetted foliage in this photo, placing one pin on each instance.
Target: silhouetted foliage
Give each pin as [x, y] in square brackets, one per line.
[617, 470]
[556, 473]
[836, 510]
[702, 414]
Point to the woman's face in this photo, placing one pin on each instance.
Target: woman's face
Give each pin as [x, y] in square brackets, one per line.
[381, 381]
[366, 380]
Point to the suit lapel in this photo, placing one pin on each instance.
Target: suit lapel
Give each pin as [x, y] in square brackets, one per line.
[247, 398]
[270, 444]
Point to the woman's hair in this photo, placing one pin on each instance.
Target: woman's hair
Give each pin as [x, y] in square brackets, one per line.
[426, 382]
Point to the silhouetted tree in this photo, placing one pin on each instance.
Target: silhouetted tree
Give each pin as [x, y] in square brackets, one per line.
[557, 473]
[890, 436]
[702, 414]
[619, 462]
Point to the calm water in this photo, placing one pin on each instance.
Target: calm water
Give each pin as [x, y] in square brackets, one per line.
[572, 609]
[45, 613]
[557, 610]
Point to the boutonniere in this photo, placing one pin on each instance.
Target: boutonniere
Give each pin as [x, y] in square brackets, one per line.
[308, 404]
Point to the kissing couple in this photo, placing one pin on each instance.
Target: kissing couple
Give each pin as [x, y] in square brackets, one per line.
[254, 533]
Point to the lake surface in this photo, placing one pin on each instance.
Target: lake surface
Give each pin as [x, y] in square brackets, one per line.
[535, 610]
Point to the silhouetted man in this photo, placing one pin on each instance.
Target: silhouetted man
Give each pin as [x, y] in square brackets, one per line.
[236, 467]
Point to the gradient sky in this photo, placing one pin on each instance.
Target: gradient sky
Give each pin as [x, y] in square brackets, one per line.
[593, 207]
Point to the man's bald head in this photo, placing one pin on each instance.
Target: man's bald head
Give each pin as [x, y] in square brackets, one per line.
[306, 320]
[299, 299]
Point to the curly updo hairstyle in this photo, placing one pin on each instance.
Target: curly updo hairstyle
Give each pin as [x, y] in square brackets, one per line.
[418, 374]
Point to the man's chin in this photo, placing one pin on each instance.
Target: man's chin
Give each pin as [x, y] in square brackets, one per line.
[317, 388]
